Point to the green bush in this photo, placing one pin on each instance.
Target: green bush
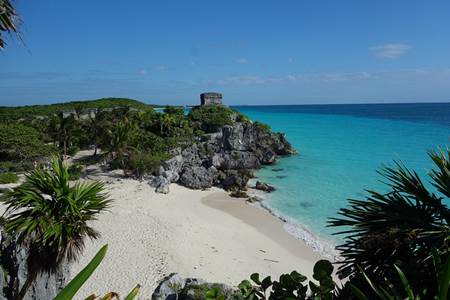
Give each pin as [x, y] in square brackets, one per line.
[211, 118]
[262, 126]
[73, 150]
[8, 178]
[140, 163]
[7, 166]
[174, 110]
[242, 118]
[19, 142]
[75, 172]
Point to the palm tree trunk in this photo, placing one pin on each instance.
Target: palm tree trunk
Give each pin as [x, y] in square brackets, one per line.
[26, 286]
[65, 149]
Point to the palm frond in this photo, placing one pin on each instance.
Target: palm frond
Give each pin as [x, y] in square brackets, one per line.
[401, 227]
[51, 216]
[9, 20]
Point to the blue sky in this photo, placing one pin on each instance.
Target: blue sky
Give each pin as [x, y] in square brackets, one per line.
[254, 52]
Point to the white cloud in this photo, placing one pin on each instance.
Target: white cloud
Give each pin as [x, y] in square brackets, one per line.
[162, 68]
[143, 72]
[331, 78]
[242, 61]
[391, 51]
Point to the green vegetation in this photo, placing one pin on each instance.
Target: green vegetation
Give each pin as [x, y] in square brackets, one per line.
[210, 118]
[291, 286]
[75, 171]
[79, 107]
[131, 135]
[405, 227]
[50, 218]
[263, 126]
[8, 178]
[294, 286]
[20, 143]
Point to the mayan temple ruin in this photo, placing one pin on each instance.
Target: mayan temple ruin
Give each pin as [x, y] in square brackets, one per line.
[211, 99]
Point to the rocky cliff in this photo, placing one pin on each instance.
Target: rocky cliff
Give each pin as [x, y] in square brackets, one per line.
[13, 273]
[225, 159]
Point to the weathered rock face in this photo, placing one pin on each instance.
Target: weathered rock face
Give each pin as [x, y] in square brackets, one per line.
[225, 159]
[13, 273]
[175, 287]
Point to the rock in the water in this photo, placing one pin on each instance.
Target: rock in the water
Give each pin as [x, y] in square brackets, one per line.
[239, 194]
[13, 273]
[235, 179]
[269, 157]
[253, 199]
[264, 187]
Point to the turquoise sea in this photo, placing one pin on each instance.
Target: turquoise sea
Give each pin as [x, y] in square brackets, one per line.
[340, 149]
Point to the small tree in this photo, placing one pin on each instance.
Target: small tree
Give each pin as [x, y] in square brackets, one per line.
[21, 143]
[50, 218]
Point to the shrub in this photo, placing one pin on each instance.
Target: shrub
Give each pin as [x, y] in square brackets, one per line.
[19, 142]
[242, 118]
[174, 110]
[291, 286]
[8, 178]
[211, 118]
[7, 166]
[75, 172]
[141, 163]
[73, 150]
[262, 126]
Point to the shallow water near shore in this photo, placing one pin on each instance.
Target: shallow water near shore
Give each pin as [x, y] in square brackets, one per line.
[341, 147]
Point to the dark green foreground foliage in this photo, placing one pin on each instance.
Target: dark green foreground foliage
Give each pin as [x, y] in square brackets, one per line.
[406, 227]
[8, 178]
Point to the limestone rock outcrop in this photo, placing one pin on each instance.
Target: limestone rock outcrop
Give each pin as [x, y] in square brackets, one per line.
[225, 159]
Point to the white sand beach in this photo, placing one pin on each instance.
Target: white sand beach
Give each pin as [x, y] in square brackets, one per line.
[203, 234]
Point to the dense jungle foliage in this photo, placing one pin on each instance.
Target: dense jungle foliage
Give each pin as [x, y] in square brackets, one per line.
[124, 133]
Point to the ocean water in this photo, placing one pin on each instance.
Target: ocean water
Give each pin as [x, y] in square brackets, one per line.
[340, 149]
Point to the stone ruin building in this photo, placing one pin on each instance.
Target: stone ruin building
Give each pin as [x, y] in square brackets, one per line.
[211, 99]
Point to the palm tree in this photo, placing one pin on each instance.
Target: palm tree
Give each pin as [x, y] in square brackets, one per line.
[50, 218]
[96, 125]
[119, 140]
[64, 127]
[407, 226]
[9, 20]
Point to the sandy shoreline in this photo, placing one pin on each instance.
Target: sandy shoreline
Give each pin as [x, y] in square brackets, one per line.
[203, 234]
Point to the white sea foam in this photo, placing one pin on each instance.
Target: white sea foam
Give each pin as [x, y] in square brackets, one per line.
[293, 227]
